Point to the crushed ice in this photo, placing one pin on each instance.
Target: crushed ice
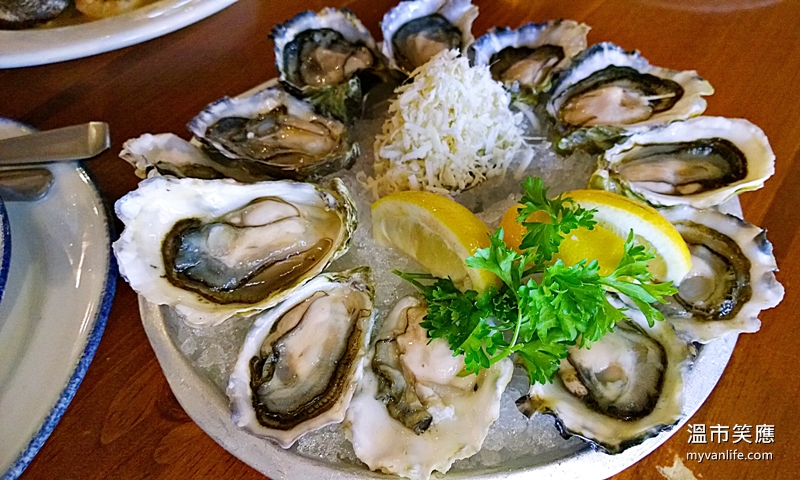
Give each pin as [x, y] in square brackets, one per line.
[213, 350]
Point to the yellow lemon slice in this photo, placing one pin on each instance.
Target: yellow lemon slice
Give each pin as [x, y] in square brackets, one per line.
[596, 244]
[616, 216]
[437, 232]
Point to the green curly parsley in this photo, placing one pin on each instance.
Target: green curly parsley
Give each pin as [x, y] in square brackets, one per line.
[543, 307]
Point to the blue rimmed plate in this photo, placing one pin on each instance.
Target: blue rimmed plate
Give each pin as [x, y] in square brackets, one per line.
[58, 294]
[5, 247]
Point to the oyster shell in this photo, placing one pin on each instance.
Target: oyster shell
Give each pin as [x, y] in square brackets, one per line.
[272, 134]
[732, 277]
[18, 14]
[701, 162]
[321, 55]
[626, 388]
[529, 55]
[300, 362]
[607, 94]
[416, 30]
[214, 249]
[412, 414]
[169, 155]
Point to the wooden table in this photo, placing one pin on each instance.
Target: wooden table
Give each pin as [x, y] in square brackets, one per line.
[124, 421]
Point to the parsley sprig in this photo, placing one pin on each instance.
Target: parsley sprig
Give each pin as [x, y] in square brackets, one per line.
[543, 307]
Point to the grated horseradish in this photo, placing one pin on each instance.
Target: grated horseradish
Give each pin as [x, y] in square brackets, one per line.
[448, 130]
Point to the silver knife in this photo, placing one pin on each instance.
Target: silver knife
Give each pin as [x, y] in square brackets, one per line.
[77, 142]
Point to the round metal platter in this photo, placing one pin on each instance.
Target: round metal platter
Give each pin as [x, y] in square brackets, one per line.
[207, 405]
[201, 392]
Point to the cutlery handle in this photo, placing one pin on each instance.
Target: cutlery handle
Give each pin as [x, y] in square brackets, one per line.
[24, 185]
[77, 142]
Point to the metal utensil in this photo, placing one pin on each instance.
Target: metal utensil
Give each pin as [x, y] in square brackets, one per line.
[24, 184]
[77, 142]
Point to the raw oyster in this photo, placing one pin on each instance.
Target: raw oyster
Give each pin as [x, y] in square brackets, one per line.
[607, 94]
[624, 389]
[301, 361]
[732, 277]
[271, 133]
[168, 154]
[701, 162]
[412, 413]
[529, 55]
[213, 249]
[322, 55]
[416, 30]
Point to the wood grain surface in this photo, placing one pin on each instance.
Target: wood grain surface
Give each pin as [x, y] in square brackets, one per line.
[124, 421]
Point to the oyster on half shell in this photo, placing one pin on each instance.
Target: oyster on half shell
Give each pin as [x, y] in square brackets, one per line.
[701, 162]
[732, 277]
[213, 249]
[528, 56]
[416, 30]
[323, 56]
[272, 134]
[607, 94]
[624, 389]
[301, 360]
[412, 413]
[167, 154]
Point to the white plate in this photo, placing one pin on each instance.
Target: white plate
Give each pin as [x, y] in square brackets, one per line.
[23, 48]
[57, 298]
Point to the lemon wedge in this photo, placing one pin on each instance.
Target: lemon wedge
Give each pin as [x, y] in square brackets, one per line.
[437, 232]
[616, 216]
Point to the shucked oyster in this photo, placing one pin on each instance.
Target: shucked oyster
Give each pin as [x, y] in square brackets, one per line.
[273, 134]
[701, 162]
[529, 55]
[213, 249]
[300, 363]
[321, 55]
[168, 154]
[624, 389]
[732, 277]
[416, 30]
[412, 413]
[606, 94]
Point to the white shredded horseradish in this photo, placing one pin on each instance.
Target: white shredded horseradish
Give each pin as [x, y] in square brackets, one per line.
[448, 130]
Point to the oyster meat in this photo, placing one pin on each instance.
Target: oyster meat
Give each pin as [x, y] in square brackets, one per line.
[321, 55]
[214, 249]
[607, 94]
[529, 55]
[701, 162]
[732, 277]
[300, 363]
[272, 134]
[412, 413]
[624, 389]
[416, 30]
